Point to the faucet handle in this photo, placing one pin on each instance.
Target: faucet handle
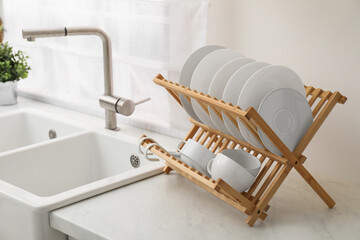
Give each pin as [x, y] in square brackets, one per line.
[120, 105]
[143, 101]
[126, 107]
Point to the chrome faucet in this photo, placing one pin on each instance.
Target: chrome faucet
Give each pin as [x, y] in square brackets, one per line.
[110, 103]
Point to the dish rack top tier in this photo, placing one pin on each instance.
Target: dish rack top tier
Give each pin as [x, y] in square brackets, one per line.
[322, 102]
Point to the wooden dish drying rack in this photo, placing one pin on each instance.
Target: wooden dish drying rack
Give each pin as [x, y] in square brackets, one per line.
[255, 201]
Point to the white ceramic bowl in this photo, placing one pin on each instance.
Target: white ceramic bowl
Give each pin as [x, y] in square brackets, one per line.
[236, 167]
[196, 155]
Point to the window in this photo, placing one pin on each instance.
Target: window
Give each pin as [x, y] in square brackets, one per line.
[148, 37]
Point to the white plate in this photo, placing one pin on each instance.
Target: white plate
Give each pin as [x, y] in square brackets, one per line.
[204, 73]
[218, 84]
[187, 72]
[232, 91]
[259, 85]
[289, 115]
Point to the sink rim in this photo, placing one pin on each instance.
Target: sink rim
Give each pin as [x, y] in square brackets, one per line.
[43, 114]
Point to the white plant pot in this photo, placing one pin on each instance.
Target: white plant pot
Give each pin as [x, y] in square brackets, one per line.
[8, 93]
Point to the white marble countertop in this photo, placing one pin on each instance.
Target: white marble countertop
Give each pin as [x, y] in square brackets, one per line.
[171, 207]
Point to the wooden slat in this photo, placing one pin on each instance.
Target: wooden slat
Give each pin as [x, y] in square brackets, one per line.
[224, 145]
[309, 90]
[217, 112]
[211, 141]
[199, 135]
[252, 129]
[203, 106]
[231, 118]
[315, 96]
[216, 145]
[175, 96]
[260, 177]
[269, 193]
[232, 146]
[237, 141]
[267, 182]
[321, 103]
[317, 123]
[262, 158]
[196, 96]
[206, 136]
[220, 184]
[192, 132]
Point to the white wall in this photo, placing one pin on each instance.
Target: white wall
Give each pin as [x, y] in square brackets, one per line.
[320, 40]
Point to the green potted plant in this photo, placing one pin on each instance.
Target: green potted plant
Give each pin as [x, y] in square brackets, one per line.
[13, 67]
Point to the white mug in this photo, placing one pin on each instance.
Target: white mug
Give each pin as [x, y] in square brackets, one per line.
[195, 155]
[236, 167]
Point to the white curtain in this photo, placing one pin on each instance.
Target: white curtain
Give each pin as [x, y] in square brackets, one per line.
[148, 36]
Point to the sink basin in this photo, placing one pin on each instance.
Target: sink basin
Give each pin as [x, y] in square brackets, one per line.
[52, 170]
[37, 179]
[26, 127]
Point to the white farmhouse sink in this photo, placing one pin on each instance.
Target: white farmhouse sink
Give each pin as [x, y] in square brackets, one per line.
[52, 170]
[37, 179]
[26, 127]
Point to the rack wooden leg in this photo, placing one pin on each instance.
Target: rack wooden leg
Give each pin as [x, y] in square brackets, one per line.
[263, 203]
[167, 170]
[315, 185]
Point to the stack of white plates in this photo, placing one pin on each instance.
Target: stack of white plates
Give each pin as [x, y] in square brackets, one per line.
[276, 92]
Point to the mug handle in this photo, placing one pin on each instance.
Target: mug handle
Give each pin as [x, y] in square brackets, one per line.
[146, 153]
[142, 140]
[180, 145]
[209, 165]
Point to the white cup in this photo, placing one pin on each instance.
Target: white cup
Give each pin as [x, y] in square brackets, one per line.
[236, 167]
[195, 155]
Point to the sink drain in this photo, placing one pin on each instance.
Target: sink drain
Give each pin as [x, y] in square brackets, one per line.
[52, 134]
[135, 160]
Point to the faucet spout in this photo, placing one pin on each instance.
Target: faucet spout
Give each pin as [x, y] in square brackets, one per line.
[43, 33]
